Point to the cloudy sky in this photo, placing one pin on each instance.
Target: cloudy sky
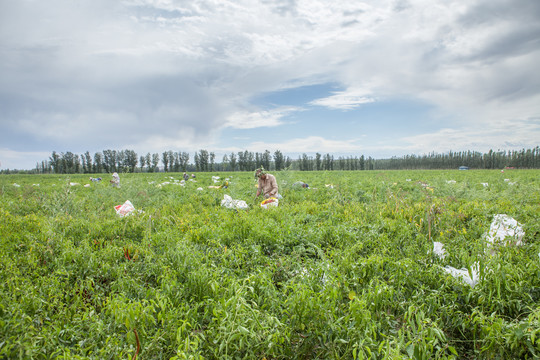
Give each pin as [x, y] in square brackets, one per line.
[374, 77]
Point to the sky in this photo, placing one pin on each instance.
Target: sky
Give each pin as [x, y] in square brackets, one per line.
[379, 78]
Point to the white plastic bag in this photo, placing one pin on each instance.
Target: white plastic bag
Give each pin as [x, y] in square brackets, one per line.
[463, 274]
[438, 249]
[505, 231]
[124, 209]
[229, 203]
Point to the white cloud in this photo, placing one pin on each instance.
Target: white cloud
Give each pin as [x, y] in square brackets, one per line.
[74, 73]
[309, 144]
[515, 135]
[252, 120]
[344, 100]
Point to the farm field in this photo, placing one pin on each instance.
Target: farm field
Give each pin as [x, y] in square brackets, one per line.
[334, 272]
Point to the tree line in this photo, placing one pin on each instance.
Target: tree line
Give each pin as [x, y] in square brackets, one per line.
[108, 161]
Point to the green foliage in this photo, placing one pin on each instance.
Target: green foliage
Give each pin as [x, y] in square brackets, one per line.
[334, 272]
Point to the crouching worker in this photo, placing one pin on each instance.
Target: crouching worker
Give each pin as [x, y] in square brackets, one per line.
[115, 182]
[267, 184]
[300, 184]
[225, 184]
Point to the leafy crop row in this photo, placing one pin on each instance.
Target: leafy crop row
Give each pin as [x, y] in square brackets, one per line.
[342, 271]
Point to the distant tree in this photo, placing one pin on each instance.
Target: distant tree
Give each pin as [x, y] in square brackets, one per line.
[165, 161]
[148, 162]
[69, 162]
[197, 162]
[109, 161]
[287, 162]
[89, 165]
[155, 162]
[120, 161]
[232, 160]
[241, 161]
[250, 161]
[212, 161]
[278, 160]
[258, 158]
[55, 162]
[83, 164]
[130, 160]
[170, 156]
[113, 160]
[142, 162]
[225, 162]
[266, 159]
[305, 162]
[184, 160]
[204, 160]
[98, 162]
[43, 167]
[77, 163]
[318, 162]
[176, 165]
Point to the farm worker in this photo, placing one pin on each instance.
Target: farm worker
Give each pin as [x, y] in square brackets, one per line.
[300, 183]
[225, 184]
[267, 184]
[186, 176]
[115, 180]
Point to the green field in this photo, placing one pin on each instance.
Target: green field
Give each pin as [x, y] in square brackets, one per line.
[342, 272]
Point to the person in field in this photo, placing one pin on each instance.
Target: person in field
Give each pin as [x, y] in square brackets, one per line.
[267, 184]
[300, 184]
[115, 182]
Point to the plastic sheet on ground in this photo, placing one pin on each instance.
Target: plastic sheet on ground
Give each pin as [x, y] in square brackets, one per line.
[470, 277]
[438, 249]
[172, 183]
[315, 273]
[124, 209]
[229, 203]
[505, 231]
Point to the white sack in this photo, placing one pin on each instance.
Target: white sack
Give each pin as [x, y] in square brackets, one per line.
[505, 230]
[229, 203]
